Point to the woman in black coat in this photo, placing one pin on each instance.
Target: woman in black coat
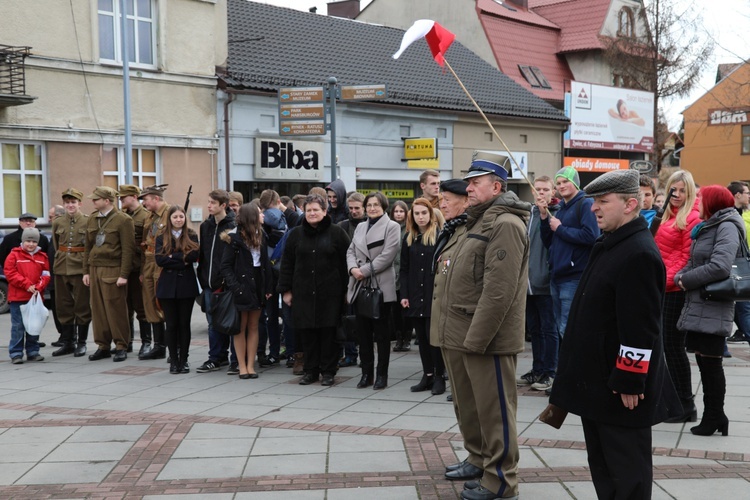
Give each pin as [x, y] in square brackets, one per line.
[417, 248]
[177, 250]
[313, 276]
[247, 274]
[716, 243]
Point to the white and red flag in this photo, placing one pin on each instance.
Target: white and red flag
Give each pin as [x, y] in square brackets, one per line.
[437, 37]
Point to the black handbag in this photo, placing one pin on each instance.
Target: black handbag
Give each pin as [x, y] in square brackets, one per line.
[735, 287]
[224, 314]
[370, 298]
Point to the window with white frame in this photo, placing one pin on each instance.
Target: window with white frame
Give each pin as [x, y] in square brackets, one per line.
[22, 180]
[141, 17]
[145, 166]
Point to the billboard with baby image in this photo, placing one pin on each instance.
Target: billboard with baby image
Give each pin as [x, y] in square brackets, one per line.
[610, 118]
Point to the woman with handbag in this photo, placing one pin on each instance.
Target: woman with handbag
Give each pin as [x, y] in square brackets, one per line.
[417, 249]
[313, 278]
[372, 286]
[401, 324]
[673, 240]
[176, 250]
[247, 274]
[717, 241]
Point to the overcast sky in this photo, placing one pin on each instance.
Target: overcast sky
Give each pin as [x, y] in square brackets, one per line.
[727, 21]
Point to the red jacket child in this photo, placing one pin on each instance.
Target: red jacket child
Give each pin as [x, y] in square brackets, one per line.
[23, 269]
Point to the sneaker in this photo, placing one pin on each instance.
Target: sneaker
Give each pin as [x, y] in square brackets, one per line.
[737, 338]
[544, 383]
[17, 360]
[290, 362]
[273, 360]
[35, 357]
[263, 361]
[208, 366]
[234, 369]
[527, 379]
[224, 362]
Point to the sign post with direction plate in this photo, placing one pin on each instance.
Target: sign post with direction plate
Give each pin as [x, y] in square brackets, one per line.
[302, 111]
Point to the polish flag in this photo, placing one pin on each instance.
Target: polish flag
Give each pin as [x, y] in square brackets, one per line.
[438, 38]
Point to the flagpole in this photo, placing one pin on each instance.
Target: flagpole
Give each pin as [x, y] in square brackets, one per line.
[513, 160]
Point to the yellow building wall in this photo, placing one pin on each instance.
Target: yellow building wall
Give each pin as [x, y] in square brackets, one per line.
[713, 153]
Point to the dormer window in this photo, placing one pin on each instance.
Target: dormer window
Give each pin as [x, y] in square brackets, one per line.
[626, 23]
[534, 76]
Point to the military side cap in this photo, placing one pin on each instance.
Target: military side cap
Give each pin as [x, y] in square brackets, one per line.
[455, 186]
[27, 215]
[103, 192]
[616, 181]
[487, 162]
[157, 189]
[73, 193]
[128, 190]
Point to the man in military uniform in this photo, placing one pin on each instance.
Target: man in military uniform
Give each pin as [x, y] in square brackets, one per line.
[479, 311]
[107, 260]
[71, 295]
[153, 201]
[129, 203]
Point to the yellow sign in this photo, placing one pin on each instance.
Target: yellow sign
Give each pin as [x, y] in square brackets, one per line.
[424, 164]
[390, 193]
[417, 149]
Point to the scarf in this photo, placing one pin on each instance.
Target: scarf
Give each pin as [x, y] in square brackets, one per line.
[448, 229]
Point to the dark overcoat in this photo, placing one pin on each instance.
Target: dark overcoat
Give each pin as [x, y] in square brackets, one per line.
[237, 269]
[415, 275]
[177, 279]
[313, 268]
[613, 337]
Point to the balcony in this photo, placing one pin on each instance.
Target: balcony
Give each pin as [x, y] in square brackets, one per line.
[13, 76]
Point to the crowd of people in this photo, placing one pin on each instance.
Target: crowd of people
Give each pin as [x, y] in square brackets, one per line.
[605, 280]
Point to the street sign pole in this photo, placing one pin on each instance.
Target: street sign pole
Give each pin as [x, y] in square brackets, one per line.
[332, 99]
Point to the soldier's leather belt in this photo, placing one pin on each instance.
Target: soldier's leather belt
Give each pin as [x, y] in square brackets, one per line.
[63, 248]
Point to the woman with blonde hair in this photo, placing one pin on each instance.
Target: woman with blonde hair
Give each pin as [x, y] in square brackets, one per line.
[417, 248]
[673, 239]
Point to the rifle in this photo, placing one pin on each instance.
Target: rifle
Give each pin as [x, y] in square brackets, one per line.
[187, 199]
[660, 213]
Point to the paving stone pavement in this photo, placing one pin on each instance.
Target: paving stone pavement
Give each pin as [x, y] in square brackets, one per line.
[72, 428]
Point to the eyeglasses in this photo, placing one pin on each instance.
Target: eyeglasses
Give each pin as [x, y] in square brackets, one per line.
[372, 205]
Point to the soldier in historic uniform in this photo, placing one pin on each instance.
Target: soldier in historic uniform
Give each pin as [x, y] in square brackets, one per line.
[107, 260]
[71, 295]
[153, 201]
[129, 203]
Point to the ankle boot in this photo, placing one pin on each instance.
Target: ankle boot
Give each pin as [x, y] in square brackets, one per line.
[299, 364]
[365, 381]
[424, 385]
[82, 332]
[438, 387]
[145, 332]
[381, 382]
[714, 390]
[689, 412]
[158, 351]
[68, 341]
[59, 341]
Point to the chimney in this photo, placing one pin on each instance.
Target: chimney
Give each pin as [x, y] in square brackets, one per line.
[348, 9]
[313, 10]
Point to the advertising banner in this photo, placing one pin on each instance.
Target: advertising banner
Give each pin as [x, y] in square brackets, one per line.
[595, 164]
[611, 118]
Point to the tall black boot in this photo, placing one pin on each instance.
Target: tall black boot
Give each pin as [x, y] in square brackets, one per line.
[714, 390]
[132, 334]
[145, 330]
[158, 351]
[67, 340]
[82, 332]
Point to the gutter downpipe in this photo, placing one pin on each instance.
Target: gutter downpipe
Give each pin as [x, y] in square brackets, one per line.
[227, 163]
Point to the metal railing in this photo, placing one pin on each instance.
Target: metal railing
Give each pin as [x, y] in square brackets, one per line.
[12, 69]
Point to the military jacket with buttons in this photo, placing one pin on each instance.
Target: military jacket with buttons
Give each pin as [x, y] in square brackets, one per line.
[140, 218]
[69, 240]
[110, 242]
[154, 226]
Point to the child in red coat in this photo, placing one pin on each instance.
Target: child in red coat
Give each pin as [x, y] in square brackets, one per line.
[27, 271]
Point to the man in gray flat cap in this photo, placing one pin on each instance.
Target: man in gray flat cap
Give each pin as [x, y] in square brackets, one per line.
[611, 369]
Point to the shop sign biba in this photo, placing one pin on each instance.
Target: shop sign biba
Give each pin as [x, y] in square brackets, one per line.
[288, 160]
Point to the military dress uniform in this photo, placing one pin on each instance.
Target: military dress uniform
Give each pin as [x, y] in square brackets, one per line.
[135, 296]
[154, 226]
[110, 244]
[71, 295]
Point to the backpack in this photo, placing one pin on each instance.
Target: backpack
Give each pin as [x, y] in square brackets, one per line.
[278, 251]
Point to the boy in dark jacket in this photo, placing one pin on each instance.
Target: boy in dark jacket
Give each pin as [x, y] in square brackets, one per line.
[27, 271]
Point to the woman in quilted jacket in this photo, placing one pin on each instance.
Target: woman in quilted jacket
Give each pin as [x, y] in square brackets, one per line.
[708, 323]
[673, 239]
